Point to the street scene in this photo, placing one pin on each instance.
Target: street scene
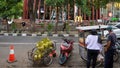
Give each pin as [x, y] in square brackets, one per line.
[23, 45]
[59, 33]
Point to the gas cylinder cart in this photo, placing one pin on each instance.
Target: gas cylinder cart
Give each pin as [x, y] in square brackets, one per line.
[83, 32]
[43, 52]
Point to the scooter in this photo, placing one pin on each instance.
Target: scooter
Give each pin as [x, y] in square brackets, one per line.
[65, 50]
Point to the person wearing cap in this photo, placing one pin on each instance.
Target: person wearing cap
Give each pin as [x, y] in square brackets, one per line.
[110, 48]
[93, 48]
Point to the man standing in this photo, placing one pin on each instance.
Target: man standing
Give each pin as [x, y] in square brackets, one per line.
[110, 48]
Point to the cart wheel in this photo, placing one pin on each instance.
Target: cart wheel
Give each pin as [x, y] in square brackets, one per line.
[47, 60]
[31, 53]
[83, 53]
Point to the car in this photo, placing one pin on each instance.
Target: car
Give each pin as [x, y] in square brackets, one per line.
[116, 30]
[103, 30]
[118, 25]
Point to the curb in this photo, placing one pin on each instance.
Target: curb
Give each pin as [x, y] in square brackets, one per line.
[34, 35]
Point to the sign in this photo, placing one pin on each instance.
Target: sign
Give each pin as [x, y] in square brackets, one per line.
[78, 19]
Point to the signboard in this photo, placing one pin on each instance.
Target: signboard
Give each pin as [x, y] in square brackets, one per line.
[78, 19]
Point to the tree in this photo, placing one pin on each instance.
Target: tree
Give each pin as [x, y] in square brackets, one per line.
[102, 3]
[83, 4]
[10, 9]
[32, 8]
[55, 3]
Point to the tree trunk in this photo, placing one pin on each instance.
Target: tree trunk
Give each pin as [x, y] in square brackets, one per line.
[33, 6]
[57, 18]
[7, 25]
[68, 11]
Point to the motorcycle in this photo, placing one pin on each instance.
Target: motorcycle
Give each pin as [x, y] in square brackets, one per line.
[100, 58]
[66, 49]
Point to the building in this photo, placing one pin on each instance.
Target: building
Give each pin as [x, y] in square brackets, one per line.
[113, 8]
[45, 12]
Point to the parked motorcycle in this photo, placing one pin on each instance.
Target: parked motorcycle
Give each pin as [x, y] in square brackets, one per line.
[66, 49]
[100, 59]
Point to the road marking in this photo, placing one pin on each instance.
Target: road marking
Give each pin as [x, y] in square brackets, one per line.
[5, 34]
[34, 34]
[25, 43]
[24, 34]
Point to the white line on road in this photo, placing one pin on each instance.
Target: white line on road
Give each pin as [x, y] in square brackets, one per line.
[25, 43]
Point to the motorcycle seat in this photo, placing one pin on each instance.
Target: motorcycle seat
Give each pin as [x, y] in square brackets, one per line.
[66, 45]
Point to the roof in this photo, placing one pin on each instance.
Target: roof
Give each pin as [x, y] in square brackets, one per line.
[87, 28]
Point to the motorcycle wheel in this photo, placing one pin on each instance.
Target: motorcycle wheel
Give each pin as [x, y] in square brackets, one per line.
[47, 60]
[83, 53]
[62, 59]
[115, 56]
[99, 63]
[31, 53]
[119, 59]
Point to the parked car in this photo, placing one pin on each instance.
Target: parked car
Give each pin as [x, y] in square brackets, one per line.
[116, 30]
[117, 25]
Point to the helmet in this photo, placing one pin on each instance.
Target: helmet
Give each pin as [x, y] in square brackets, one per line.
[109, 28]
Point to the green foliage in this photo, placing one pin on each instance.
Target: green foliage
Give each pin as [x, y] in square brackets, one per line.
[84, 6]
[13, 25]
[42, 24]
[50, 27]
[54, 2]
[66, 2]
[67, 26]
[11, 8]
[102, 3]
[91, 23]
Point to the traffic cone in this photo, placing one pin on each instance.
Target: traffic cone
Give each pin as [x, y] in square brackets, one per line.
[11, 58]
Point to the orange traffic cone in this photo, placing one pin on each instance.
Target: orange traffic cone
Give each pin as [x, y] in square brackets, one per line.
[11, 55]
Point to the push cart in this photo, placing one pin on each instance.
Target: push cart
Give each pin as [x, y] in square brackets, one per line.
[43, 52]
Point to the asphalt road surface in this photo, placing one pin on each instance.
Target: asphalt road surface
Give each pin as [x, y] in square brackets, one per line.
[23, 44]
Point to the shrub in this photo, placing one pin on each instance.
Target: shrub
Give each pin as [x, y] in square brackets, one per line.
[50, 27]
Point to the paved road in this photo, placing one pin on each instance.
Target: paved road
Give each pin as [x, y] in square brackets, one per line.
[24, 44]
[29, 39]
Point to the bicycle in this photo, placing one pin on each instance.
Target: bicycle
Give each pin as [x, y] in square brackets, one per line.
[44, 57]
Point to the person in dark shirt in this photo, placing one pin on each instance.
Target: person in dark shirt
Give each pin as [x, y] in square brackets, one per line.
[110, 48]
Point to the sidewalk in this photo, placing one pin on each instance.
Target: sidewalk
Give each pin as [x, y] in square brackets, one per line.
[59, 33]
[39, 31]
